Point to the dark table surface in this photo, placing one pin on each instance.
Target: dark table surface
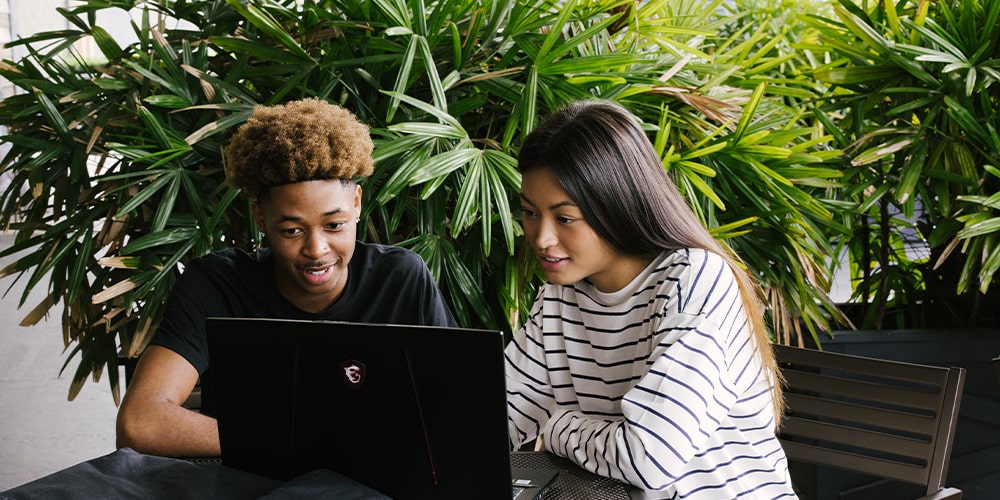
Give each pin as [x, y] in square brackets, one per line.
[128, 474]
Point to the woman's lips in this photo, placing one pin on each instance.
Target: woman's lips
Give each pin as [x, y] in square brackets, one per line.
[550, 263]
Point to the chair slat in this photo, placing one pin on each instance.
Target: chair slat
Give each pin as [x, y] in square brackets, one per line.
[883, 393]
[898, 370]
[859, 439]
[877, 417]
[806, 405]
[842, 460]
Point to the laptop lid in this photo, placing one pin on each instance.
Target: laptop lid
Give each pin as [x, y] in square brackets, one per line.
[412, 411]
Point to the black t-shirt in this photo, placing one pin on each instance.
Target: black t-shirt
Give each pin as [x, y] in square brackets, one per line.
[385, 284]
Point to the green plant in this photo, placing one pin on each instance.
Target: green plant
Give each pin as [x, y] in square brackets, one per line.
[122, 157]
[913, 100]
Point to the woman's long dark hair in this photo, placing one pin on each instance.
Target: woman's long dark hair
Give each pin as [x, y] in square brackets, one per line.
[601, 156]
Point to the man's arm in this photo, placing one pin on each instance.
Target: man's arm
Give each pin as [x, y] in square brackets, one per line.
[151, 419]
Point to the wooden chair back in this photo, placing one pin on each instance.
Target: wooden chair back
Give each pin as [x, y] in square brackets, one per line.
[877, 417]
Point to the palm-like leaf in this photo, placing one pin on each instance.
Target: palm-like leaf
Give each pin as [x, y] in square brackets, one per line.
[122, 164]
[915, 84]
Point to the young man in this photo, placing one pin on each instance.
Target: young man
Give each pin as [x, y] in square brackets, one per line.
[299, 163]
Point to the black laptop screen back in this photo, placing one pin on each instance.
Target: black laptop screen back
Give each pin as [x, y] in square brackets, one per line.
[414, 412]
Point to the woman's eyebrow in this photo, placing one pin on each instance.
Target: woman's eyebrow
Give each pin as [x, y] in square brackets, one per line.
[567, 203]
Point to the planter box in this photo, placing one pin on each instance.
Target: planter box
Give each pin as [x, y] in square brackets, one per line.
[975, 459]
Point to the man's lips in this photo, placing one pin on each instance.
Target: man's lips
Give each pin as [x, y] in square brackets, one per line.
[317, 274]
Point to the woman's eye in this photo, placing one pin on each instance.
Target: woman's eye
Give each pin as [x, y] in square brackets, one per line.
[527, 212]
[565, 220]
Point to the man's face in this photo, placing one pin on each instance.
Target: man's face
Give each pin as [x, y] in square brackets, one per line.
[312, 227]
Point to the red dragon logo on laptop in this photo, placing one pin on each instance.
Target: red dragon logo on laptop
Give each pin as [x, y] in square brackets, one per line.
[353, 372]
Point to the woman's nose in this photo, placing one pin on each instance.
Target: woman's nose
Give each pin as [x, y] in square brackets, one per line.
[545, 236]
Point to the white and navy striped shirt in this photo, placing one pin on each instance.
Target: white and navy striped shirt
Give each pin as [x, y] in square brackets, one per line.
[657, 384]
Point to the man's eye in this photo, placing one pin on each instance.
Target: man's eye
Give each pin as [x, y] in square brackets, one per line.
[292, 231]
[335, 225]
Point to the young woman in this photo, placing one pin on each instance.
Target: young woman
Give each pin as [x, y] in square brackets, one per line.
[645, 357]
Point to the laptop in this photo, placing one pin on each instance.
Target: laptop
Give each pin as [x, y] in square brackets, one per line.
[411, 411]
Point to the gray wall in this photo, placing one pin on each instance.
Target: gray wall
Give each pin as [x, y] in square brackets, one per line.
[22, 18]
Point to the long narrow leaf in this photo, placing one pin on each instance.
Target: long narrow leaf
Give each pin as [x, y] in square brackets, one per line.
[267, 24]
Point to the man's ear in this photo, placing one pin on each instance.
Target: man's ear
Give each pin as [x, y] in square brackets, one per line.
[357, 202]
[258, 215]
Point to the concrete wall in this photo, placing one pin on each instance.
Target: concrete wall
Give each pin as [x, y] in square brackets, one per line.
[23, 18]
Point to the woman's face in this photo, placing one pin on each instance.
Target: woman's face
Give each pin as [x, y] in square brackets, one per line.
[567, 247]
[312, 227]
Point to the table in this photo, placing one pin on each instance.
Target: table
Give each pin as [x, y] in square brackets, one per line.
[127, 474]
[572, 483]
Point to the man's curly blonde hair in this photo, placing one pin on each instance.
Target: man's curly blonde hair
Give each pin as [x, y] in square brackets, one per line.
[303, 140]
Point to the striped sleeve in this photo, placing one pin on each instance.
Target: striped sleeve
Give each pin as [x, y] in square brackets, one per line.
[678, 403]
[657, 384]
[529, 391]
[668, 415]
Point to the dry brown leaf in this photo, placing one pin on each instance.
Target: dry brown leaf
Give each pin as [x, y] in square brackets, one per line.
[94, 136]
[113, 291]
[493, 74]
[140, 339]
[9, 270]
[39, 312]
[118, 262]
[74, 388]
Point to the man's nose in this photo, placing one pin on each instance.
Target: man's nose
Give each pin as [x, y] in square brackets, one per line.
[315, 245]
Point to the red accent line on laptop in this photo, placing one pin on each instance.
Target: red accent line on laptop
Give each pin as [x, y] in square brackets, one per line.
[420, 412]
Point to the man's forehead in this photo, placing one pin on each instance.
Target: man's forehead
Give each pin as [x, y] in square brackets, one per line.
[310, 200]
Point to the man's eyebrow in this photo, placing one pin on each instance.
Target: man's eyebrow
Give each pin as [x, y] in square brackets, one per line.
[293, 218]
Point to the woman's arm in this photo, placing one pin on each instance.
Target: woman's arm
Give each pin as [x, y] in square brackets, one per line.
[668, 416]
[698, 363]
[529, 391]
